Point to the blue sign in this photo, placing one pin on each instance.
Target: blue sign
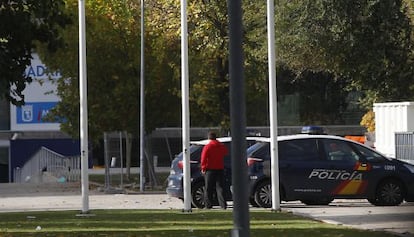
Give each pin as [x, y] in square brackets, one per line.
[34, 112]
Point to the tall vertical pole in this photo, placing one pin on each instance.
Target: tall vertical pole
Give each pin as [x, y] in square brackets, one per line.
[185, 107]
[83, 108]
[142, 106]
[273, 106]
[238, 122]
[121, 157]
[107, 163]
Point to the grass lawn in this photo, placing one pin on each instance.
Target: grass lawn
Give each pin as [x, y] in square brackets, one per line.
[172, 223]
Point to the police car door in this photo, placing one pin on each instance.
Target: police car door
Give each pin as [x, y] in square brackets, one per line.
[344, 172]
[297, 159]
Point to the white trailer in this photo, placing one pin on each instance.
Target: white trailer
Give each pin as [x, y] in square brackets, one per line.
[392, 118]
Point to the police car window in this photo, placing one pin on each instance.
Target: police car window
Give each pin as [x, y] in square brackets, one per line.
[337, 150]
[195, 152]
[368, 154]
[259, 150]
[298, 149]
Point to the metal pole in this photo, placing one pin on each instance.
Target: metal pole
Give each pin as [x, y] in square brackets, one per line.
[107, 171]
[185, 108]
[273, 106]
[121, 154]
[83, 108]
[142, 106]
[238, 122]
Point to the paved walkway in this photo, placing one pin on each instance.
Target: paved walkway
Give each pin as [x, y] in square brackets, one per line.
[66, 196]
[96, 201]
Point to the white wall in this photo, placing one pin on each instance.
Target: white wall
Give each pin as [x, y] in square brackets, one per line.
[391, 118]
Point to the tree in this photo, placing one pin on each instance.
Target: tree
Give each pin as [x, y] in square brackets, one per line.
[23, 24]
[410, 9]
[112, 69]
[319, 48]
[368, 42]
[208, 55]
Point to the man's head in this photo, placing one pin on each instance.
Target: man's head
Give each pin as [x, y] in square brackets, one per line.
[212, 135]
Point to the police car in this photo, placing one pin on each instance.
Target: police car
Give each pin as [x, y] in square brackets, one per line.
[316, 169]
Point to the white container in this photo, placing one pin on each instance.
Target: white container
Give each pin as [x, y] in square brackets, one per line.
[389, 119]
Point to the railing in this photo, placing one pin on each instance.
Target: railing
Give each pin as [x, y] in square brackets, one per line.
[404, 146]
[48, 166]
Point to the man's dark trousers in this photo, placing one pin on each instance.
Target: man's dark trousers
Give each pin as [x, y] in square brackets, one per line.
[214, 182]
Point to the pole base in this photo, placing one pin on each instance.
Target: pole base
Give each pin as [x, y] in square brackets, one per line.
[237, 232]
[187, 210]
[276, 210]
[85, 214]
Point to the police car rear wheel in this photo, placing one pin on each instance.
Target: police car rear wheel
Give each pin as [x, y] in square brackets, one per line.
[263, 194]
[197, 193]
[389, 193]
[253, 202]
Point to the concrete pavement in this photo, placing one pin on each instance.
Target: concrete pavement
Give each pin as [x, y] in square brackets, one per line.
[360, 214]
[96, 201]
[67, 196]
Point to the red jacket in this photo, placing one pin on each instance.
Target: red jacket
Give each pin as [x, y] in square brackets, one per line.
[212, 156]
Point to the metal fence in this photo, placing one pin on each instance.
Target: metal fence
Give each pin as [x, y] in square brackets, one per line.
[404, 146]
[48, 166]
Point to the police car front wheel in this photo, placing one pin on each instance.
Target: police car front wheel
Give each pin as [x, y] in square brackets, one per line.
[389, 193]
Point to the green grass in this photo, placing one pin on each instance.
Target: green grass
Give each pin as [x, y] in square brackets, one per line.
[171, 223]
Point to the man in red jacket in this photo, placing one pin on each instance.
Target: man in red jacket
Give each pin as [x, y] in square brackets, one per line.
[212, 166]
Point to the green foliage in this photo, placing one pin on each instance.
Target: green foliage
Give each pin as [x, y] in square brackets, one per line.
[23, 24]
[208, 63]
[208, 55]
[112, 74]
[368, 42]
[325, 50]
[113, 63]
[316, 89]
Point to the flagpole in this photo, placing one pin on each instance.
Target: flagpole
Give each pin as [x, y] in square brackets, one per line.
[185, 107]
[142, 105]
[273, 106]
[83, 109]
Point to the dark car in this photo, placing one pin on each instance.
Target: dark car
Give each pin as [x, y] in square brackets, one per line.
[175, 179]
[316, 169]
